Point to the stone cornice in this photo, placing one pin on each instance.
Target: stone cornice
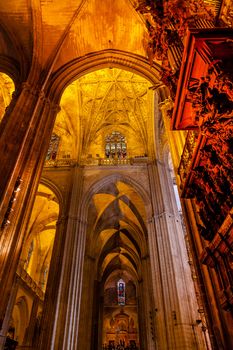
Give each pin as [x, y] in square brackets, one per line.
[26, 279]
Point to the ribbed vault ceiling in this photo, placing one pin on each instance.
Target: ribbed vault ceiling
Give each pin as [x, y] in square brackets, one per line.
[117, 227]
[41, 230]
[101, 102]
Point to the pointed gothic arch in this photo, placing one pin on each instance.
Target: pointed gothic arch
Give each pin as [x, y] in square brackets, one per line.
[97, 185]
[104, 59]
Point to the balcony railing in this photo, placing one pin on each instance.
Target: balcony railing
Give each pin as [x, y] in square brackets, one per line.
[26, 278]
[67, 162]
[113, 161]
[61, 162]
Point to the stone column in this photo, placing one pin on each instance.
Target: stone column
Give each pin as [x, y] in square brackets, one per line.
[170, 270]
[25, 136]
[49, 315]
[11, 303]
[29, 334]
[146, 308]
[177, 140]
[62, 305]
[156, 274]
[88, 328]
[100, 320]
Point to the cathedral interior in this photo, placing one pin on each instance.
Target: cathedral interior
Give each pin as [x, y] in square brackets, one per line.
[116, 155]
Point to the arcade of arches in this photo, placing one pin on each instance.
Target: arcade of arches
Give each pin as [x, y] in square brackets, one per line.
[116, 219]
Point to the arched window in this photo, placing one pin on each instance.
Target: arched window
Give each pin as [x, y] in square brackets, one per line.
[115, 145]
[121, 292]
[53, 147]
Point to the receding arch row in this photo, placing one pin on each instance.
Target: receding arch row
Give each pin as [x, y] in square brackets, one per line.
[96, 188]
[108, 256]
[112, 247]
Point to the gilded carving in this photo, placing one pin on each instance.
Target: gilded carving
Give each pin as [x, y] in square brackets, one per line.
[167, 23]
[226, 14]
[6, 91]
[187, 155]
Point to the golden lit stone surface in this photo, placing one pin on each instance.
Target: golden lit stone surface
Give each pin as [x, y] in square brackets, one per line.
[118, 217]
[94, 26]
[99, 103]
[75, 28]
[6, 89]
[40, 235]
[38, 40]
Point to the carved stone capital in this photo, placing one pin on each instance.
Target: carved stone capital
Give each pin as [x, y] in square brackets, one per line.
[166, 105]
[55, 107]
[30, 89]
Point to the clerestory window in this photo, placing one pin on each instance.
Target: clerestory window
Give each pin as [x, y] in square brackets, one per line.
[53, 147]
[115, 145]
[121, 292]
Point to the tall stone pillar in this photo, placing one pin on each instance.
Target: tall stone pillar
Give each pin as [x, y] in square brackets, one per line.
[161, 331]
[173, 288]
[88, 328]
[62, 304]
[146, 308]
[30, 332]
[177, 140]
[25, 135]
[100, 320]
[10, 306]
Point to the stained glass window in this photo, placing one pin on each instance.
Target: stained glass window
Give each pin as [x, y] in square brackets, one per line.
[53, 147]
[115, 145]
[121, 292]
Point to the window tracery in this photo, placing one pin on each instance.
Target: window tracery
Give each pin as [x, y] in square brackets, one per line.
[115, 145]
[121, 292]
[53, 147]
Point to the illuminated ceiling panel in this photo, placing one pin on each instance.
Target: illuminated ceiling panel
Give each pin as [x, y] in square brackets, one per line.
[118, 228]
[99, 103]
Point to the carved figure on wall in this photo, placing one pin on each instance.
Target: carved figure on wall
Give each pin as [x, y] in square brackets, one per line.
[29, 255]
[212, 191]
[53, 147]
[212, 98]
[212, 103]
[167, 23]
